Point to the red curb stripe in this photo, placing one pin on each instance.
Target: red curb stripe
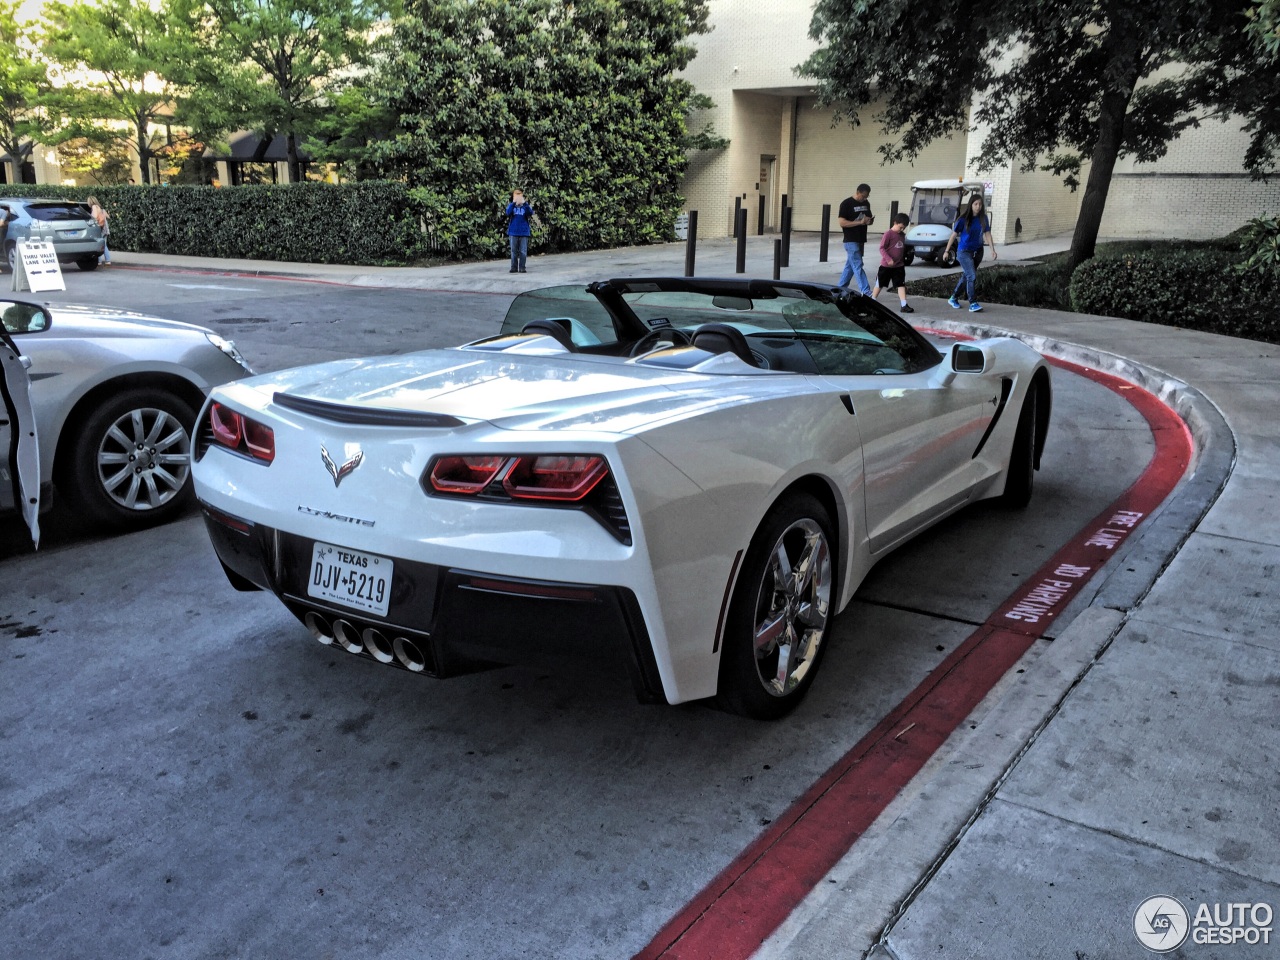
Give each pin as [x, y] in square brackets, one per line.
[735, 913]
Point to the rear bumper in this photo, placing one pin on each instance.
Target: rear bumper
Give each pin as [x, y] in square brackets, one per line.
[454, 620]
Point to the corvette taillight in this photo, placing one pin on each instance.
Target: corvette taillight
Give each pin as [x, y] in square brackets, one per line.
[237, 432]
[464, 474]
[556, 477]
[562, 477]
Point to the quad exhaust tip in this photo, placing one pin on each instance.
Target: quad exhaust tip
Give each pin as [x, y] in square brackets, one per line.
[343, 633]
[379, 646]
[319, 627]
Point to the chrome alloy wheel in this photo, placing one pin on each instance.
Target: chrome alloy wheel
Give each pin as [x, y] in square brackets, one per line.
[792, 607]
[144, 459]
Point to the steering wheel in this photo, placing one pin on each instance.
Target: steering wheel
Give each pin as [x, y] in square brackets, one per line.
[650, 340]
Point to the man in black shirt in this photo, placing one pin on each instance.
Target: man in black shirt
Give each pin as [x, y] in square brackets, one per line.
[854, 215]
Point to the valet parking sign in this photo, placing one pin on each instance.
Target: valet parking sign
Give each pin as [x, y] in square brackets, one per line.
[37, 267]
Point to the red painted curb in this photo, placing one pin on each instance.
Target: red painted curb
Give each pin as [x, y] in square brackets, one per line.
[750, 898]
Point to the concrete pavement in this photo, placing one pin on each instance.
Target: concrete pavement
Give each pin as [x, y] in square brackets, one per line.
[1132, 754]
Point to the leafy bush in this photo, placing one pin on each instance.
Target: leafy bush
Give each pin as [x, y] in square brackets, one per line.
[1260, 244]
[1198, 289]
[370, 222]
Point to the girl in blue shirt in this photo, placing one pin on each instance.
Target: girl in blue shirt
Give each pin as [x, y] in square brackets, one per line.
[971, 229]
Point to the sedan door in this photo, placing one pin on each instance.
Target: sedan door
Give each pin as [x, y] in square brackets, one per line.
[19, 454]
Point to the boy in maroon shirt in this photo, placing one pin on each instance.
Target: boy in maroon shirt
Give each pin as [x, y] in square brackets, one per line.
[893, 272]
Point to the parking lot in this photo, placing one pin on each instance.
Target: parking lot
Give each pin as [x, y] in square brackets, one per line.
[188, 774]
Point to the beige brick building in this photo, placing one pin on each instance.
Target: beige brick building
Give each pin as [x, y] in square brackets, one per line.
[782, 142]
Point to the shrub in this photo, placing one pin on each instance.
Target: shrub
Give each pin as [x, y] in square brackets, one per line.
[1260, 244]
[1198, 289]
[369, 222]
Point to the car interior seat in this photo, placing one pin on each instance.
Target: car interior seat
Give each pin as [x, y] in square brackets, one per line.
[722, 338]
[551, 328]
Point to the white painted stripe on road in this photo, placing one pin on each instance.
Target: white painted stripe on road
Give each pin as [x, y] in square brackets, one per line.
[212, 286]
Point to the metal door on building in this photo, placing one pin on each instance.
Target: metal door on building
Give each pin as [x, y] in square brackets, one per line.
[766, 188]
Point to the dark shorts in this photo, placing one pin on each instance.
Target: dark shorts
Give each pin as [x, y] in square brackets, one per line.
[892, 277]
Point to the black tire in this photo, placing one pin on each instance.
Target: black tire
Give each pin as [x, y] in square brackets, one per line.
[11, 256]
[947, 260]
[1019, 481]
[130, 462]
[773, 601]
[908, 256]
[88, 263]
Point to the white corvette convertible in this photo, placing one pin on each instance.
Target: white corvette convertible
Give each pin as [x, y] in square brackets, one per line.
[687, 477]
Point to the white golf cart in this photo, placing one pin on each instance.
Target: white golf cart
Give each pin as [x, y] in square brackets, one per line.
[935, 206]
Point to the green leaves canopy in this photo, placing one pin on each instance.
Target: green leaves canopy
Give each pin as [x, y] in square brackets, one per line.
[575, 103]
[1073, 80]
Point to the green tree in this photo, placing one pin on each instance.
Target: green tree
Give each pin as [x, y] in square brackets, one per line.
[1073, 81]
[24, 82]
[266, 64]
[115, 60]
[578, 104]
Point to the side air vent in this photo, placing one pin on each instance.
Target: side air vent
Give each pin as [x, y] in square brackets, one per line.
[367, 416]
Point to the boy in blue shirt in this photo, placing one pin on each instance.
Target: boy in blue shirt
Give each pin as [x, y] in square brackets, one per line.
[519, 217]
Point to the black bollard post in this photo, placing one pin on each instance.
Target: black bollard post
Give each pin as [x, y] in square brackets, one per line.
[737, 209]
[893, 212]
[691, 243]
[777, 258]
[741, 234]
[826, 233]
[786, 236]
[760, 218]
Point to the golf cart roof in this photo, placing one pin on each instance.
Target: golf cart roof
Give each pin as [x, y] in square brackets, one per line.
[948, 184]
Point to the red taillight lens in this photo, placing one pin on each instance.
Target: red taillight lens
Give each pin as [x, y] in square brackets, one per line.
[260, 439]
[239, 433]
[464, 474]
[228, 426]
[554, 477]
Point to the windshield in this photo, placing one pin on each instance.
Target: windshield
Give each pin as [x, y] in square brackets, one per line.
[936, 206]
[791, 332]
[58, 211]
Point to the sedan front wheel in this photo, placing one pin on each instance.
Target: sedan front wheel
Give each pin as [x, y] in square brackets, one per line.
[131, 461]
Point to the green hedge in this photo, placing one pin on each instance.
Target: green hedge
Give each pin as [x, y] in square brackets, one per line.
[1194, 289]
[369, 222]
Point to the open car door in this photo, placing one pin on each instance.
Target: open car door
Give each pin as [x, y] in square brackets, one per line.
[19, 454]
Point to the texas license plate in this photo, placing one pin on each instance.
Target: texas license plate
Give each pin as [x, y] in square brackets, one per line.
[349, 578]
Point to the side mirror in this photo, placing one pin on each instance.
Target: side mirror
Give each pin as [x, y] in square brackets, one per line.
[966, 358]
[17, 317]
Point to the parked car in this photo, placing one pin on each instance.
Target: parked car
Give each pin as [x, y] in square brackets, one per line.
[690, 475]
[114, 396]
[66, 224]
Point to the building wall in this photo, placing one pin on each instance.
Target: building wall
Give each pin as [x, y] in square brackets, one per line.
[746, 64]
[832, 160]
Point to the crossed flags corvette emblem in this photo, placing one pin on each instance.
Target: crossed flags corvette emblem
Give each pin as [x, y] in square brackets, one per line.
[339, 472]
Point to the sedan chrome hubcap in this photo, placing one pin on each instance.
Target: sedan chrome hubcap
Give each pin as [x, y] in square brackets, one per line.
[793, 606]
[144, 459]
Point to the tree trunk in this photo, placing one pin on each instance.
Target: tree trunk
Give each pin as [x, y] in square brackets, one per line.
[144, 154]
[1106, 148]
[291, 139]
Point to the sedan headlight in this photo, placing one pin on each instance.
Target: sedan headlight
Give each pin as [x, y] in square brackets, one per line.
[229, 348]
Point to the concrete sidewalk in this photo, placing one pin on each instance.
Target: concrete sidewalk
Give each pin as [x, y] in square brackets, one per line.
[1134, 755]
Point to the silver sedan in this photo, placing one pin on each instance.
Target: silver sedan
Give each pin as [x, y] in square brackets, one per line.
[114, 396]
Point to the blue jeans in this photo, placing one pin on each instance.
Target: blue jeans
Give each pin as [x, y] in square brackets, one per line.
[853, 267]
[969, 260]
[519, 250]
